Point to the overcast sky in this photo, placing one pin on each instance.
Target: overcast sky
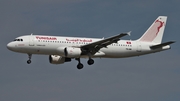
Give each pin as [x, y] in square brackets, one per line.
[154, 77]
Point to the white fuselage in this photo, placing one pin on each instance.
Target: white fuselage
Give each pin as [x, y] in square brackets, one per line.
[49, 45]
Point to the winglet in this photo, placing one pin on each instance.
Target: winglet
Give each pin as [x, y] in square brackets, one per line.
[129, 33]
[126, 33]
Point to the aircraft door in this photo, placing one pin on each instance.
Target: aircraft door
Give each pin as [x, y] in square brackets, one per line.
[139, 47]
[31, 40]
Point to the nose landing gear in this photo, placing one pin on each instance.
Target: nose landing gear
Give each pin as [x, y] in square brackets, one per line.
[29, 56]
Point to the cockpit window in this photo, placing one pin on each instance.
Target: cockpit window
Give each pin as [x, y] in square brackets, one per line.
[18, 40]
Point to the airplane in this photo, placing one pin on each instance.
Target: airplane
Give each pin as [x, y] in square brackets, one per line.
[63, 49]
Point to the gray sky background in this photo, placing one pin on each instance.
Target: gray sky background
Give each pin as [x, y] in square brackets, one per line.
[153, 77]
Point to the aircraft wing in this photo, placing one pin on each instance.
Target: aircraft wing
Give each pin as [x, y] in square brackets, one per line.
[96, 46]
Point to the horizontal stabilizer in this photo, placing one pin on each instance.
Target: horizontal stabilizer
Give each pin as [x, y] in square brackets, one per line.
[161, 45]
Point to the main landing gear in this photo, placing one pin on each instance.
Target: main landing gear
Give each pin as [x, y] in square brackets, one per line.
[90, 61]
[29, 56]
[80, 65]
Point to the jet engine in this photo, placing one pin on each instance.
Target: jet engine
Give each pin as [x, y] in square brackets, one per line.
[72, 52]
[56, 59]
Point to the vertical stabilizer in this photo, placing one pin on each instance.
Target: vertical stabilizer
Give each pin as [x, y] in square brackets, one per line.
[155, 31]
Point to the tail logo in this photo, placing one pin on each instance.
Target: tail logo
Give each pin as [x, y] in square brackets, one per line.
[153, 31]
[160, 26]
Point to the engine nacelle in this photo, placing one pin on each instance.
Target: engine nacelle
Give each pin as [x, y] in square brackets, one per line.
[56, 59]
[72, 52]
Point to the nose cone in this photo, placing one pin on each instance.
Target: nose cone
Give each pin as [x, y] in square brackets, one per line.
[10, 46]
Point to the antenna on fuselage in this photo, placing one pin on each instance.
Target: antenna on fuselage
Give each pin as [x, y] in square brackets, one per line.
[31, 33]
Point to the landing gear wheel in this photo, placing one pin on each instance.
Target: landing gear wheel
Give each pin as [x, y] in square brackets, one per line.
[90, 61]
[80, 66]
[29, 56]
[28, 61]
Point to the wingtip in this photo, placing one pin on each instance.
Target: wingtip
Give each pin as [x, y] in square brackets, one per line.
[126, 33]
[129, 33]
